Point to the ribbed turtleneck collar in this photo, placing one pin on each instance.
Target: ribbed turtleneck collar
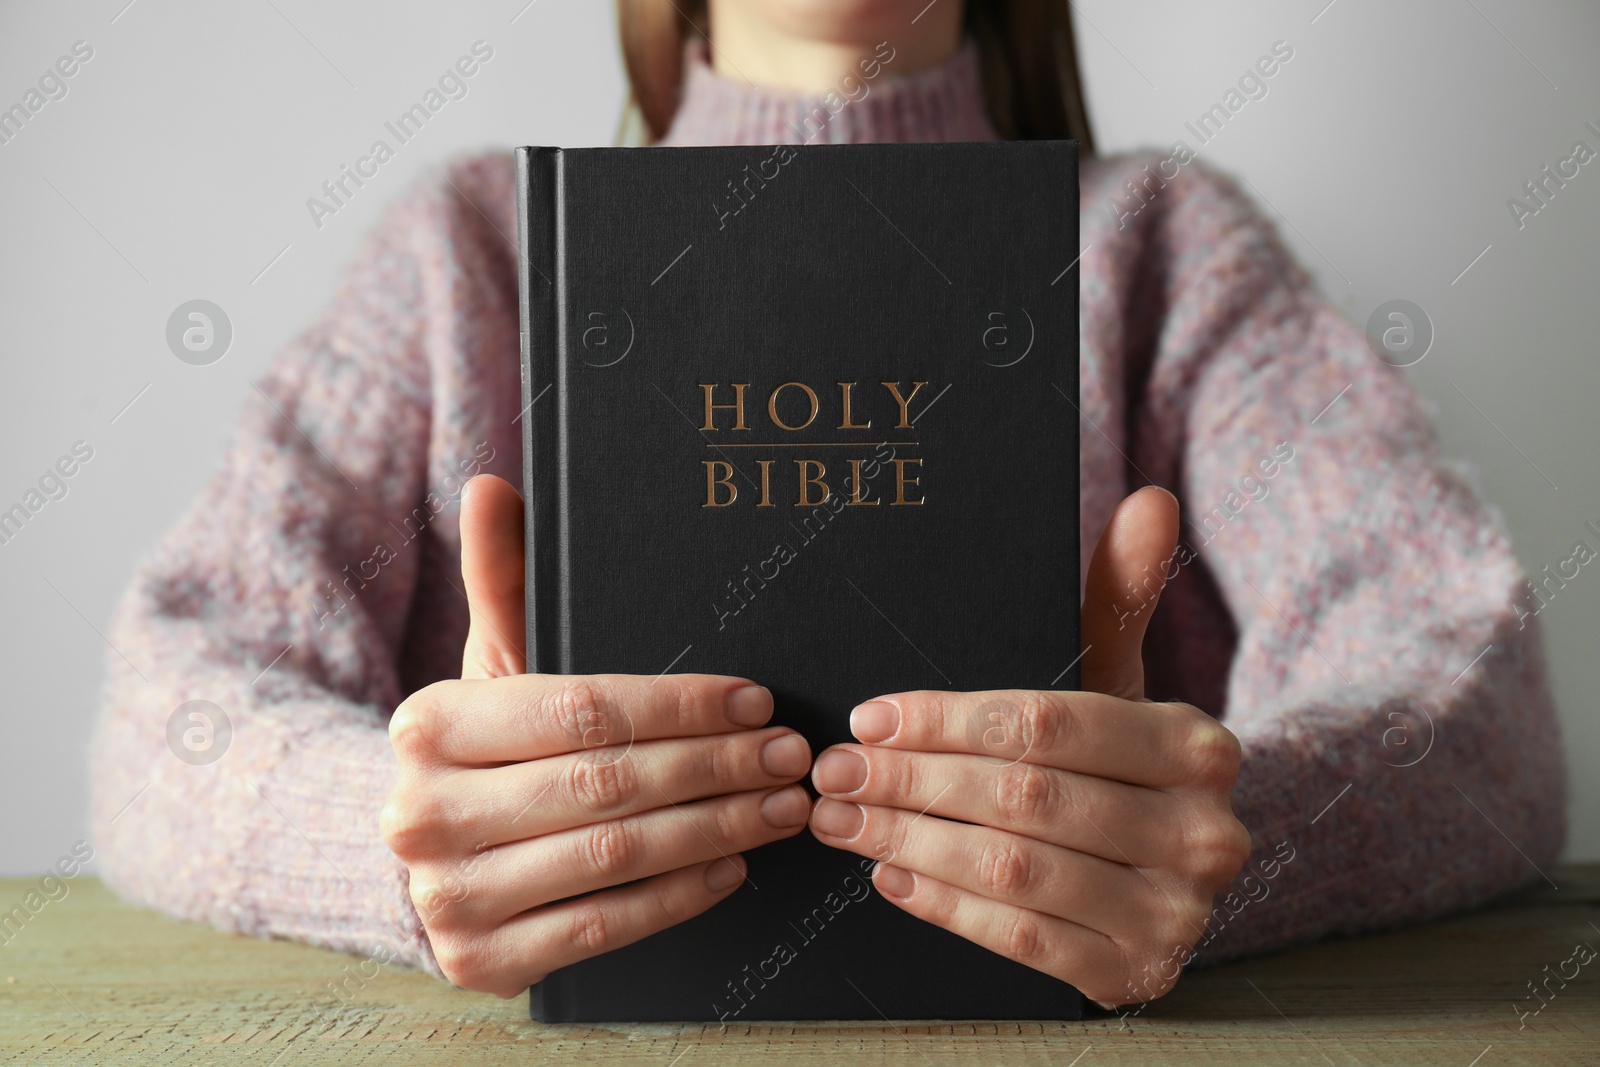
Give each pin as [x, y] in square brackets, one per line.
[941, 103]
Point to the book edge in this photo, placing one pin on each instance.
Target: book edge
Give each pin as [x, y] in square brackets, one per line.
[536, 175]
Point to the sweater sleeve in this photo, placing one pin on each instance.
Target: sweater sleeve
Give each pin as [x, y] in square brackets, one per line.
[241, 757]
[1402, 755]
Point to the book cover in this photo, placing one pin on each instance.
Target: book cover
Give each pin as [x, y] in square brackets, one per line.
[805, 415]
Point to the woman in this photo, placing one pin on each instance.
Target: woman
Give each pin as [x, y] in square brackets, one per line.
[1354, 728]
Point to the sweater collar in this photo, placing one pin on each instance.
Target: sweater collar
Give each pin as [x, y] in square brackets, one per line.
[940, 103]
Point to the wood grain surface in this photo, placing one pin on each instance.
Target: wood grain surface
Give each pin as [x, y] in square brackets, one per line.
[92, 979]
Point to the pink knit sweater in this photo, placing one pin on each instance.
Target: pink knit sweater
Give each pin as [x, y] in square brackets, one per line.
[1351, 615]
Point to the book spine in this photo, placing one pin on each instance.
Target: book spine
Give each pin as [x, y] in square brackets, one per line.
[540, 239]
[546, 1002]
[1072, 372]
[539, 309]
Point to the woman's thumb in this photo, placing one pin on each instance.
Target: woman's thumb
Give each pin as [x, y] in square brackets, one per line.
[1131, 564]
[492, 570]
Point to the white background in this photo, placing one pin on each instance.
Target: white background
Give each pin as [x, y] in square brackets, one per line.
[179, 164]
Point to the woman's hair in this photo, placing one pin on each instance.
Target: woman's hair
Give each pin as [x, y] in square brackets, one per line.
[1031, 85]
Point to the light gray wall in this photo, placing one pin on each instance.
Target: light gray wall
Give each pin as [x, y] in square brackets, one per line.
[178, 164]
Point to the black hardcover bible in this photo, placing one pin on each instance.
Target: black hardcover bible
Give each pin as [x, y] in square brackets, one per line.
[805, 415]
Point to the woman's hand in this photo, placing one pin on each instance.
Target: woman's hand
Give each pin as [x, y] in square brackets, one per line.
[522, 798]
[1094, 827]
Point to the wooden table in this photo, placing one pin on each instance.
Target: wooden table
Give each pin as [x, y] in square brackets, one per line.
[96, 980]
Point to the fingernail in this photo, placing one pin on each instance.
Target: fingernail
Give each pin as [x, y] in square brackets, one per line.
[749, 705]
[874, 721]
[840, 770]
[725, 872]
[895, 882]
[786, 808]
[837, 818]
[786, 756]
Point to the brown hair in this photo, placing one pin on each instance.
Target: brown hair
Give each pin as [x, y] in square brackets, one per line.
[1031, 85]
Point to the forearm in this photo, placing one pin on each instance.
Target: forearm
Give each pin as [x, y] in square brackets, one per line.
[265, 823]
[1369, 811]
